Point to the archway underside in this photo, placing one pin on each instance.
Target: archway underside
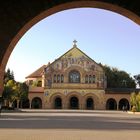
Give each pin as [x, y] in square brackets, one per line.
[15, 21]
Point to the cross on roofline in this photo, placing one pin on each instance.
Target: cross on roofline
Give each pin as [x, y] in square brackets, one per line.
[74, 43]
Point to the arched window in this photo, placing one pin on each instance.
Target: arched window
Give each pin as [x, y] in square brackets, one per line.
[62, 78]
[93, 78]
[90, 79]
[86, 79]
[54, 79]
[74, 77]
[58, 78]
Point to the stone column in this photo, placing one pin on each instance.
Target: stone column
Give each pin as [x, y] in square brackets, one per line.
[1, 80]
[30, 102]
[117, 105]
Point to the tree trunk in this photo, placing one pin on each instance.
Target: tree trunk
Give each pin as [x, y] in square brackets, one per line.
[17, 104]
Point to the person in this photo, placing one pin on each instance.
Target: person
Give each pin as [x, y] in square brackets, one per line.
[123, 108]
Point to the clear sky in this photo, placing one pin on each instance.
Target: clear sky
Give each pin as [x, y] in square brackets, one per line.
[105, 36]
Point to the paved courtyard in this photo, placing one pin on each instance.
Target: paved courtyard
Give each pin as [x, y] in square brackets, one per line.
[69, 125]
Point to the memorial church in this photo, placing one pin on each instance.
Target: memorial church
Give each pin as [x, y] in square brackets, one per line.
[73, 81]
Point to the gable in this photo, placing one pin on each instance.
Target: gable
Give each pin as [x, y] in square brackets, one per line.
[75, 57]
[74, 53]
[37, 73]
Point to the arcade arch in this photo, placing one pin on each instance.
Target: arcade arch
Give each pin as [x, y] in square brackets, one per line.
[36, 103]
[89, 103]
[111, 104]
[57, 101]
[74, 103]
[124, 104]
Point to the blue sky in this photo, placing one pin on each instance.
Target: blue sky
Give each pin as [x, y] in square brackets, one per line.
[105, 36]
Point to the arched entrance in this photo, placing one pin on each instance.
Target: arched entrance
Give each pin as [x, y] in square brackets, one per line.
[74, 103]
[18, 29]
[25, 103]
[89, 103]
[36, 103]
[111, 104]
[124, 104]
[58, 103]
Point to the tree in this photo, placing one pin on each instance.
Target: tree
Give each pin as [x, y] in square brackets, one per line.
[137, 78]
[118, 78]
[9, 75]
[135, 101]
[14, 91]
[9, 92]
[21, 90]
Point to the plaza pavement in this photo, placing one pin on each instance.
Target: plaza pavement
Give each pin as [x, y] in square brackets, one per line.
[69, 125]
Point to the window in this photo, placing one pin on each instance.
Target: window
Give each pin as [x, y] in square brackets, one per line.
[39, 84]
[58, 78]
[93, 78]
[30, 82]
[90, 79]
[54, 79]
[74, 77]
[62, 78]
[86, 79]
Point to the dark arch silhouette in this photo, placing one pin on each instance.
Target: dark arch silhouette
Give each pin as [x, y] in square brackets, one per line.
[111, 104]
[36, 103]
[58, 103]
[124, 104]
[89, 103]
[12, 31]
[74, 103]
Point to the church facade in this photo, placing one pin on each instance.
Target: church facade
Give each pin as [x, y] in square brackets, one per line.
[73, 81]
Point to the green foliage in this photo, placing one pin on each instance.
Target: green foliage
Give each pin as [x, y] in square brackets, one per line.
[9, 91]
[135, 101]
[21, 90]
[9, 75]
[117, 78]
[14, 90]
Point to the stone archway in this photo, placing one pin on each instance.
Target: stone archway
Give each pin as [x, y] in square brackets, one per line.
[36, 103]
[58, 103]
[124, 104]
[74, 102]
[92, 101]
[12, 29]
[89, 103]
[111, 104]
